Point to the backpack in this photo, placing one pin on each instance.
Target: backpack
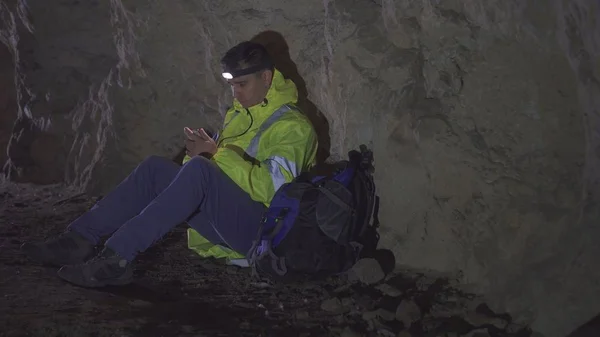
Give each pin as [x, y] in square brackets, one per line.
[319, 225]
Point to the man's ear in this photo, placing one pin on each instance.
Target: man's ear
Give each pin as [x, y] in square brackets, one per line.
[267, 77]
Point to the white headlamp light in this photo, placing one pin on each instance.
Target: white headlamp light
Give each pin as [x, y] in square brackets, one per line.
[227, 76]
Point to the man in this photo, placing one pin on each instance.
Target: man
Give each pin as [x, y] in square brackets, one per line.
[221, 190]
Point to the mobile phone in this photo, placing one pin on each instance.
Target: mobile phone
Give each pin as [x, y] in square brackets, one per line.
[214, 136]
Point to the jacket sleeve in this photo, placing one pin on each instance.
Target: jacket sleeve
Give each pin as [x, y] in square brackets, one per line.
[289, 147]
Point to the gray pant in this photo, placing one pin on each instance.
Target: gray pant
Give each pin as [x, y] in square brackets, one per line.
[159, 194]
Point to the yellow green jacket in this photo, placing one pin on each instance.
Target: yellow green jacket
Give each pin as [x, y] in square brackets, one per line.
[264, 146]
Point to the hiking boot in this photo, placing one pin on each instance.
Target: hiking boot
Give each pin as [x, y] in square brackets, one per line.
[108, 268]
[64, 249]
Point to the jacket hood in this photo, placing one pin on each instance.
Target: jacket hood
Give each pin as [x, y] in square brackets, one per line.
[282, 91]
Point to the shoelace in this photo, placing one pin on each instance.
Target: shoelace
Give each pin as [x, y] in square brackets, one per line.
[100, 257]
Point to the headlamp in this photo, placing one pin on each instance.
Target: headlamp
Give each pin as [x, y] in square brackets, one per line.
[229, 74]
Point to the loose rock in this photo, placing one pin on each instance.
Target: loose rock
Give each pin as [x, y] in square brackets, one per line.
[367, 271]
[430, 324]
[478, 320]
[301, 315]
[385, 332]
[333, 305]
[347, 302]
[514, 328]
[140, 303]
[187, 328]
[447, 310]
[342, 288]
[385, 315]
[364, 302]
[408, 312]
[348, 332]
[388, 290]
[478, 333]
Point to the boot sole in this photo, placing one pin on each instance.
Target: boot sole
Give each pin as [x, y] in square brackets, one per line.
[95, 283]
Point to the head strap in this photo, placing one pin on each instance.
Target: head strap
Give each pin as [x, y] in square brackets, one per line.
[233, 73]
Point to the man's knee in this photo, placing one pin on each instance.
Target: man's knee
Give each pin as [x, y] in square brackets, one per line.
[199, 161]
[155, 162]
[200, 166]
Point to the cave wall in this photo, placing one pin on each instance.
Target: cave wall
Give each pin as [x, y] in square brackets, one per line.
[62, 54]
[483, 116]
[8, 106]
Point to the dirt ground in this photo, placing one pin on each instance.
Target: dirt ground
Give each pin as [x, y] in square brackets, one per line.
[177, 293]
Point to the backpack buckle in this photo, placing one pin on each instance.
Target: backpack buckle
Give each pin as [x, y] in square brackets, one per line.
[367, 159]
[282, 214]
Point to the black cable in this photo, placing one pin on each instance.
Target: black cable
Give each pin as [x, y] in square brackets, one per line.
[243, 133]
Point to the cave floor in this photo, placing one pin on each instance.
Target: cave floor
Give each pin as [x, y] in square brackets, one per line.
[177, 293]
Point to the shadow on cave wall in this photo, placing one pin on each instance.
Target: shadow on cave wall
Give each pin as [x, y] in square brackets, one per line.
[590, 329]
[278, 48]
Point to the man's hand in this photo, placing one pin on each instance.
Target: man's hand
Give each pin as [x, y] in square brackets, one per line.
[199, 142]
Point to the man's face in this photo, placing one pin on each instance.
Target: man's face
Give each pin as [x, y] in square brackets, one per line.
[251, 89]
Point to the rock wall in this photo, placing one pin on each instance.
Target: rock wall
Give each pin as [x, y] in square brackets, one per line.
[483, 116]
[8, 107]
